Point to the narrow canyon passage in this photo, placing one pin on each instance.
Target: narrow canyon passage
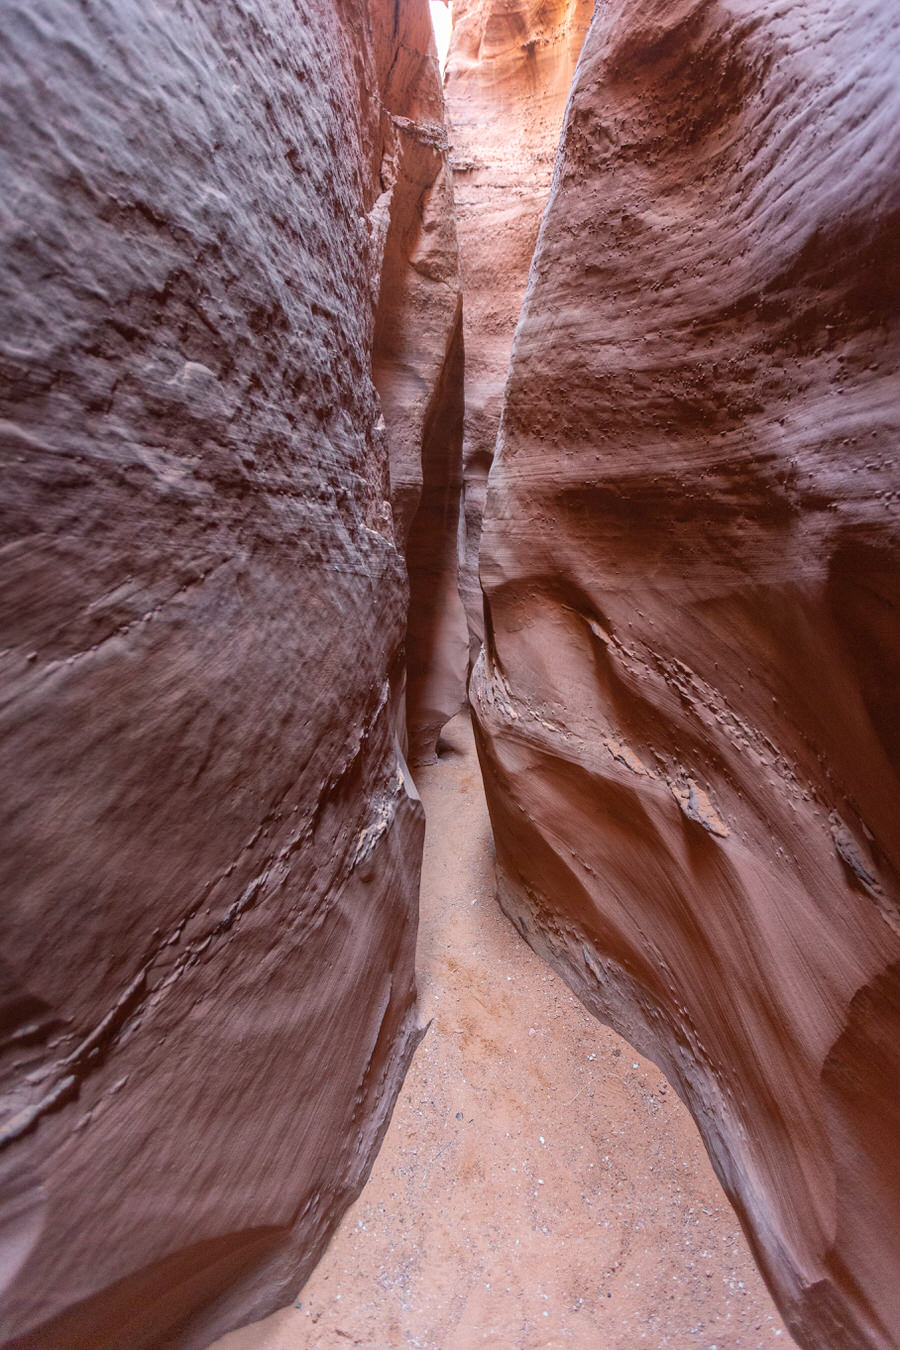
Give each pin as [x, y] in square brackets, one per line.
[539, 1185]
[343, 388]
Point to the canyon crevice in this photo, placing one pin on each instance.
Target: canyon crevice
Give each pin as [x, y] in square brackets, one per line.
[508, 75]
[322, 385]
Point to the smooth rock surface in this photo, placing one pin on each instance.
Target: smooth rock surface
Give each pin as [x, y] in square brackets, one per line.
[687, 703]
[211, 845]
[508, 75]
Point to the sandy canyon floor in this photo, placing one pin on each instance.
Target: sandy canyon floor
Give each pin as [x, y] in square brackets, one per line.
[540, 1187]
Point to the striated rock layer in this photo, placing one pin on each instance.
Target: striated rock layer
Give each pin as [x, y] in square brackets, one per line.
[211, 844]
[687, 702]
[508, 76]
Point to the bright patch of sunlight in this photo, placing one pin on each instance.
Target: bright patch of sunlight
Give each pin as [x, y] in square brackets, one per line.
[442, 20]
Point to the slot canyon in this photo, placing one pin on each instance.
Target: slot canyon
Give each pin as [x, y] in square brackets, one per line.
[451, 675]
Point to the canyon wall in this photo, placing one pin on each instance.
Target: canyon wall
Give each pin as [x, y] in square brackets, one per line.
[687, 702]
[418, 370]
[508, 76]
[211, 842]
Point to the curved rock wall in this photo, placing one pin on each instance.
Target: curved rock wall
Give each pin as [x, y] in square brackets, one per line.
[687, 704]
[508, 76]
[211, 844]
[418, 369]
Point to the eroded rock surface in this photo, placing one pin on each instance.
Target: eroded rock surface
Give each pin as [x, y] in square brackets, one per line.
[211, 846]
[508, 77]
[687, 703]
[418, 364]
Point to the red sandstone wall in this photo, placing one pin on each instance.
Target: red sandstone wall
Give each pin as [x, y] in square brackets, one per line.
[418, 368]
[508, 76]
[211, 844]
[688, 699]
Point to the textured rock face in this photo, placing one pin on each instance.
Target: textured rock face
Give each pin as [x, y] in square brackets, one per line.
[687, 703]
[508, 77]
[211, 846]
[418, 365]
